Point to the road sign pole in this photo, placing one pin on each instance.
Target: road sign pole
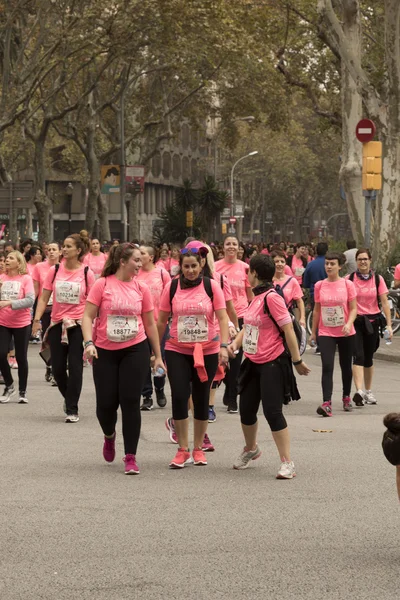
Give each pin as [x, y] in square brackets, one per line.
[10, 232]
[368, 200]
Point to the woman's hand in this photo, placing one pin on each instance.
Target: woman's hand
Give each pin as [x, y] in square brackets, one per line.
[4, 303]
[223, 357]
[390, 330]
[37, 326]
[158, 364]
[232, 332]
[302, 368]
[232, 349]
[346, 329]
[90, 352]
[313, 339]
[303, 323]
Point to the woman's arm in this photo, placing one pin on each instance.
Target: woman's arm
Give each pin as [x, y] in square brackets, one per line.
[230, 309]
[386, 311]
[162, 323]
[352, 317]
[41, 307]
[91, 311]
[36, 287]
[315, 321]
[223, 321]
[301, 307]
[291, 342]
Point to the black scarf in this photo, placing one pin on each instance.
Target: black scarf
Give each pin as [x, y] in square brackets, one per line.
[365, 276]
[185, 283]
[265, 286]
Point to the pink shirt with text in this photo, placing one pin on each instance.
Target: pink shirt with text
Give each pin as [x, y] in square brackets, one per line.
[69, 291]
[121, 306]
[236, 274]
[15, 288]
[292, 290]
[367, 295]
[196, 304]
[262, 341]
[156, 280]
[95, 263]
[40, 272]
[334, 297]
[298, 269]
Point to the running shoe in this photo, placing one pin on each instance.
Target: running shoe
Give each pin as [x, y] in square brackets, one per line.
[244, 458]
[147, 404]
[22, 398]
[161, 398]
[232, 407]
[325, 409]
[370, 398]
[71, 419]
[358, 398]
[212, 417]
[182, 458]
[199, 458]
[7, 394]
[347, 405]
[169, 424]
[2, 382]
[286, 471]
[131, 466]
[109, 448]
[317, 352]
[207, 445]
[48, 374]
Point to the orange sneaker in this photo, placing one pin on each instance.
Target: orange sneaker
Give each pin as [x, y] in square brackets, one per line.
[182, 458]
[199, 458]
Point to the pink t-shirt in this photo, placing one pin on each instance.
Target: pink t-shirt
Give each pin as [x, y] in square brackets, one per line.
[193, 318]
[173, 267]
[397, 272]
[236, 274]
[262, 341]
[95, 263]
[292, 290]
[288, 271]
[70, 291]
[121, 305]
[334, 297]
[30, 268]
[40, 272]
[15, 288]
[156, 280]
[367, 296]
[297, 268]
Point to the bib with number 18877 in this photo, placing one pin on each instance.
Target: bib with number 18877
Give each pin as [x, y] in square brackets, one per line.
[122, 328]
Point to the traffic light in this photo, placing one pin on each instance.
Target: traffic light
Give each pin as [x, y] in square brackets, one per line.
[372, 166]
[189, 218]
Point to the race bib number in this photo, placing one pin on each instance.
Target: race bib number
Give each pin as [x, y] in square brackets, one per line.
[10, 290]
[299, 271]
[250, 339]
[192, 329]
[333, 316]
[68, 292]
[122, 328]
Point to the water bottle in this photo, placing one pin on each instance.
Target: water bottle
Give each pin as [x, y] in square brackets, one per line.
[386, 337]
[313, 344]
[159, 372]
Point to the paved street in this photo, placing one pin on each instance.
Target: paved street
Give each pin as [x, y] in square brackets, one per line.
[74, 528]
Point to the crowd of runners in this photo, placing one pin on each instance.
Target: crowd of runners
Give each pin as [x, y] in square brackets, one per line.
[202, 316]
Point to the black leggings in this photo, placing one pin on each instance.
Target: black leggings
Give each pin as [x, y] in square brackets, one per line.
[46, 318]
[327, 346]
[119, 376]
[365, 345]
[67, 356]
[181, 373]
[264, 383]
[21, 337]
[232, 374]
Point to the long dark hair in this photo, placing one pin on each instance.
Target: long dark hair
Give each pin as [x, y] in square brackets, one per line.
[116, 254]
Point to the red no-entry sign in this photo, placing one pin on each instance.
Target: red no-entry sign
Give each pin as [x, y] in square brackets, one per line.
[365, 131]
[232, 220]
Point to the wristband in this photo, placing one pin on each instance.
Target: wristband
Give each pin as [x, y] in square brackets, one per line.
[36, 321]
[298, 362]
[89, 343]
[224, 345]
[238, 329]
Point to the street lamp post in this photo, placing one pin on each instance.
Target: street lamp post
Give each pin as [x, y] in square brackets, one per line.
[69, 191]
[232, 172]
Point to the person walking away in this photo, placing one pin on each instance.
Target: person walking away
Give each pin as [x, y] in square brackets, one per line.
[315, 271]
[298, 262]
[350, 254]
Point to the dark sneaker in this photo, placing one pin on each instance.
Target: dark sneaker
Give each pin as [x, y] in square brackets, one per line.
[358, 399]
[232, 407]
[22, 398]
[109, 448]
[161, 398]
[325, 410]
[212, 417]
[48, 374]
[147, 404]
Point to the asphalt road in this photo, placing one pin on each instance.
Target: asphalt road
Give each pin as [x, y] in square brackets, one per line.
[74, 528]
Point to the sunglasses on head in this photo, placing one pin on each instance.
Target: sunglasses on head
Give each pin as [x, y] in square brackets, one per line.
[192, 250]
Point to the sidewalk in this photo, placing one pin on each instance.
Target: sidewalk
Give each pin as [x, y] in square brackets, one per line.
[390, 353]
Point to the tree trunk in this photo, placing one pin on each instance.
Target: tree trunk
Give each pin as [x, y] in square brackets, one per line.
[93, 166]
[29, 228]
[133, 218]
[42, 202]
[104, 225]
[351, 169]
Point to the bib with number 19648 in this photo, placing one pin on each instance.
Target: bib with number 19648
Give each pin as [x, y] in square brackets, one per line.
[192, 329]
[122, 328]
[250, 339]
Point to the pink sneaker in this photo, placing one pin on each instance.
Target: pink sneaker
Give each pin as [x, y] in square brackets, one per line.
[207, 445]
[131, 467]
[347, 405]
[109, 448]
[325, 410]
[169, 424]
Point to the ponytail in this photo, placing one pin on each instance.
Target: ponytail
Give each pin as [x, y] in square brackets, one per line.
[116, 254]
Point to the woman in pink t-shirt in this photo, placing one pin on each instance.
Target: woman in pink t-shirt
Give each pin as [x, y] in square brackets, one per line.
[16, 300]
[156, 278]
[334, 315]
[266, 373]
[289, 286]
[236, 273]
[95, 259]
[371, 291]
[69, 282]
[33, 257]
[174, 261]
[193, 349]
[120, 350]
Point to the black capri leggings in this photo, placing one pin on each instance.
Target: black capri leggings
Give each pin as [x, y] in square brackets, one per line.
[327, 345]
[232, 374]
[181, 373]
[119, 377]
[366, 344]
[264, 383]
[21, 337]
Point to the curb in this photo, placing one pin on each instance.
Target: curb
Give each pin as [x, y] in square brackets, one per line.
[395, 358]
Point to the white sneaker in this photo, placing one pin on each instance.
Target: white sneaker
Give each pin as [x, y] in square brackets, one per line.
[7, 394]
[22, 398]
[370, 398]
[286, 471]
[242, 461]
[71, 419]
